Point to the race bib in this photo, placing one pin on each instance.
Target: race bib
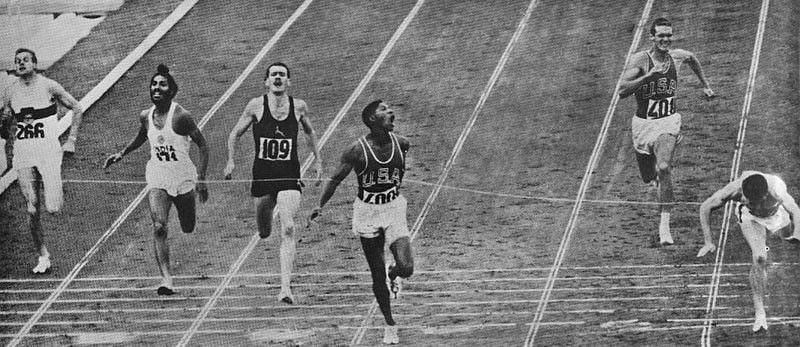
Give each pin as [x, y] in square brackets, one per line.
[165, 153]
[660, 108]
[275, 149]
[29, 130]
[378, 198]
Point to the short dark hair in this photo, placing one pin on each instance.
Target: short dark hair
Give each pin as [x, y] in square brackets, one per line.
[288, 74]
[27, 50]
[369, 111]
[658, 23]
[754, 187]
[163, 70]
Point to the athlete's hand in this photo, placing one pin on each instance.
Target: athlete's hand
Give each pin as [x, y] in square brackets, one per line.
[318, 178]
[202, 191]
[229, 170]
[69, 146]
[112, 159]
[707, 248]
[708, 92]
[315, 213]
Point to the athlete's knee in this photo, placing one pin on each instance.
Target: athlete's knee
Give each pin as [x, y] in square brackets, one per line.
[287, 229]
[404, 270]
[760, 261]
[663, 167]
[159, 229]
[264, 230]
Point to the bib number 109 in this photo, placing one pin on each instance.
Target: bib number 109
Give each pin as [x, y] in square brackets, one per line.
[660, 108]
[275, 149]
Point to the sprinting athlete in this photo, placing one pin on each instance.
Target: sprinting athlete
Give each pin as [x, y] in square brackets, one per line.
[172, 178]
[32, 101]
[379, 210]
[653, 77]
[763, 205]
[276, 118]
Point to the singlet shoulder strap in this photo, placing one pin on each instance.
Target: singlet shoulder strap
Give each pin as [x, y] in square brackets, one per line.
[362, 141]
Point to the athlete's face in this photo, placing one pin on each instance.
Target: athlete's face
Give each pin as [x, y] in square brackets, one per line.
[277, 79]
[384, 117]
[662, 39]
[159, 89]
[24, 64]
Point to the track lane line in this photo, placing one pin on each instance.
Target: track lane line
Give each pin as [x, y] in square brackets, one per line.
[115, 74]
[708, 322]
[587, 177]
[139, 198]
[457, 149]
[328, 133]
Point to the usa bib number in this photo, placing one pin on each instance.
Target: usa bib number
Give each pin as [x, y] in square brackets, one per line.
[30, 131]
[378, 198]
[660, 108]
[275, 149]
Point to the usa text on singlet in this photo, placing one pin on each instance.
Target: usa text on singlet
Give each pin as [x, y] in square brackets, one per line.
[379, 181]
[656, 97]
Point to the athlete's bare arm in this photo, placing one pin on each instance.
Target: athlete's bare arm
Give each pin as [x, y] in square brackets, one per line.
[635, 74]
[184, 125]
[731, 191]
[682, 55]
[353, 157]
[245, 120]
[301, 111]
[66, 99]
[791, 206]
[133, 144]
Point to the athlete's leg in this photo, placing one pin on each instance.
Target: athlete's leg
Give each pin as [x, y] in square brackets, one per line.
[29, 184]
[664, 149]
[160, 203]
[373, 250]
[403, 257]
[647, 166]
[287, 203]
[756, 237]
[50, 173]
[186, 206]
[264, 207]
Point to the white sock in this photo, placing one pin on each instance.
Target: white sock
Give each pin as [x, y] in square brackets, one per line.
[665, 220]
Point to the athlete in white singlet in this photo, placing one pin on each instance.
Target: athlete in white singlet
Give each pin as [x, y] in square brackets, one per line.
[653, 77]
[379, 210]
[171, 176]
[31, 103]
[763, 205]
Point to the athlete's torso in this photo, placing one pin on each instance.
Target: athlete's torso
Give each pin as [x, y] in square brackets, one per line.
[167, 148]
[380, 179]
[276, 145]
[656, 97]
[36, 115]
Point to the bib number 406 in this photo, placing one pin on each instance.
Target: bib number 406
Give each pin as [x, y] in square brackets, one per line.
[660, 108]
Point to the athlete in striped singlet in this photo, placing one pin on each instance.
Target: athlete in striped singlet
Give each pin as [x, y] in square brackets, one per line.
[31, 102]
[763, 205]
[172, 178]
[379, 210]
[653, 77]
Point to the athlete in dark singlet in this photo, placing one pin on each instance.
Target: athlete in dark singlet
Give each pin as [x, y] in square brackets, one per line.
[276, 118]
[379, 211]
[653, 76]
